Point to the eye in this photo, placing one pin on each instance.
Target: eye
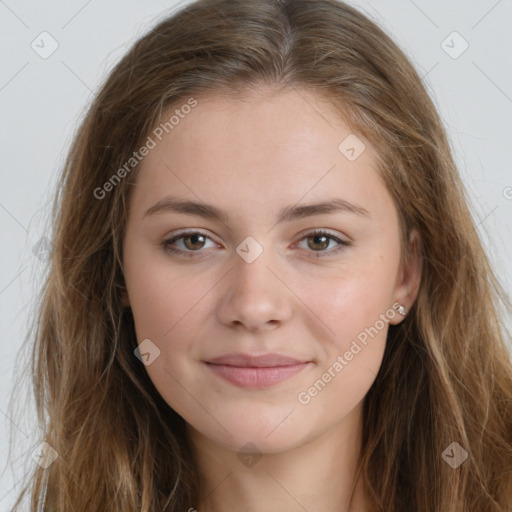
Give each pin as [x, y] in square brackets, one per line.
[321, 240]
[193, 241]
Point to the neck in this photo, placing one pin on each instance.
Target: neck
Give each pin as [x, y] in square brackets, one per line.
[312, 476]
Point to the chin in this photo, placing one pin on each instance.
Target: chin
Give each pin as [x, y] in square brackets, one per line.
[268, 436]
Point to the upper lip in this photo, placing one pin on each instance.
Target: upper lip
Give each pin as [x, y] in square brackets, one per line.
[255, 361]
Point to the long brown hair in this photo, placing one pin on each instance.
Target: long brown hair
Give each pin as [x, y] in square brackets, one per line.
[446, 376]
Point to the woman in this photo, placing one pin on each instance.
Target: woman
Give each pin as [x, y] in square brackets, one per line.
[267, 291]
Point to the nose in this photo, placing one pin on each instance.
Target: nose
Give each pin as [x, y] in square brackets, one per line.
[255, 295]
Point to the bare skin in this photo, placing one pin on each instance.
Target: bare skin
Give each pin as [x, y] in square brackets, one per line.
[251, 159]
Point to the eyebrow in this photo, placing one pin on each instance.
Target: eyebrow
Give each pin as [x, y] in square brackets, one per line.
[171, 204]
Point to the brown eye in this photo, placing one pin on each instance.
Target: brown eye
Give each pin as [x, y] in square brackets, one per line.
[192, 243]
[189, 244]
[195, 241]
[320, 242]
[317, 244]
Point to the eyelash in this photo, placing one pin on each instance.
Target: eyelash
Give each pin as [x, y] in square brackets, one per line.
[316, 254]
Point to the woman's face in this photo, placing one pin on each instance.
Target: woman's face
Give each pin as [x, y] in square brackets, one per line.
[257, 280]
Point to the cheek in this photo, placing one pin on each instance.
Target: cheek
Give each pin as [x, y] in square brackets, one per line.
[351, 299]
[354, 306]
[169, 308]
[162, 294]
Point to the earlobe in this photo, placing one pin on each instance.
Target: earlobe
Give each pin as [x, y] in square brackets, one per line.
[401, 309]
[410, 277]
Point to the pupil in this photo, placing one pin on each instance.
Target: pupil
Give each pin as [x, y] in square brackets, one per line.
[194, 238]
[316, 237]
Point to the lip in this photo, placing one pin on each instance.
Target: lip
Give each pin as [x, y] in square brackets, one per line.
[256, 371]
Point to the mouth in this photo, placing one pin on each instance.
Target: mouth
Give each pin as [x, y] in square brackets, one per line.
[255, 372]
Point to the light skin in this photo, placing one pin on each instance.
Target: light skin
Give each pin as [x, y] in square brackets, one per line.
[251, 159]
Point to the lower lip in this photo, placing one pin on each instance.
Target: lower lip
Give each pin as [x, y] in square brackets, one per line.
[256, 377]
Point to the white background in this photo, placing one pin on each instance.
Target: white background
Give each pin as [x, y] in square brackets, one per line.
[41, 101]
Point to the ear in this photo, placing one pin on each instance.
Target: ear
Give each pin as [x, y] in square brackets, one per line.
[409, 276]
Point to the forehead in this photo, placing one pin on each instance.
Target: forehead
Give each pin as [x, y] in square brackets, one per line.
[269, 148]
[294, 118]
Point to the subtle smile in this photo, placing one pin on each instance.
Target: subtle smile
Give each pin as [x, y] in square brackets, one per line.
[255, 372]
